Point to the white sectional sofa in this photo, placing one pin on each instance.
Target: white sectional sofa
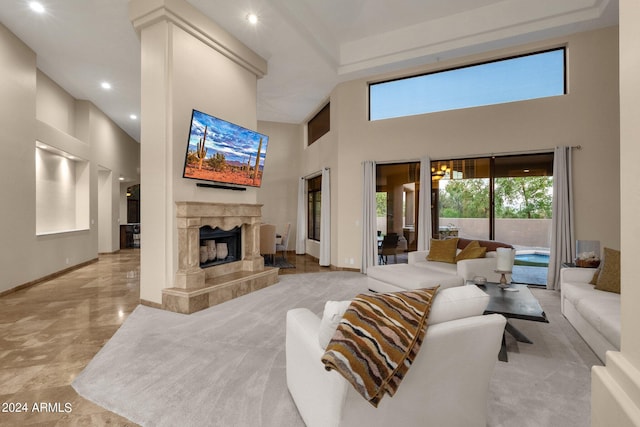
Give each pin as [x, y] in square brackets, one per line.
[420, 273]
[593, 313]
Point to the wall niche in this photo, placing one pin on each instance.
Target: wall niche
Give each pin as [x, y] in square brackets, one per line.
[62, 191]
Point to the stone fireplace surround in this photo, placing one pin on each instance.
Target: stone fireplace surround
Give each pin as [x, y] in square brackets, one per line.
[199, 288]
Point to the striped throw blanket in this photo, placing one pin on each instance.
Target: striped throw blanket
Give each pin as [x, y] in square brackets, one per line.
[378, 339]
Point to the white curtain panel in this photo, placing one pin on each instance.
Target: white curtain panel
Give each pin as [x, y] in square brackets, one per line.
[369, 225]
[301, 229]
[562, 225]
[325, 219]
[424, 205]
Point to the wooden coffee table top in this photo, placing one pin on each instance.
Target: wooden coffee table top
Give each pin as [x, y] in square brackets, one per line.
[518, 304]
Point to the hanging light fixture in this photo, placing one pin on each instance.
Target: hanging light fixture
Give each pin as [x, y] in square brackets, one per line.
[439, 173]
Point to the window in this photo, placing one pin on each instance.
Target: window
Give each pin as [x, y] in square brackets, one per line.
[319, 124]
[314, 197]
[531, 76]
[506, 198]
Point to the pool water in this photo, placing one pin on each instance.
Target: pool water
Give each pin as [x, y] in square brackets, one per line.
[535, 259]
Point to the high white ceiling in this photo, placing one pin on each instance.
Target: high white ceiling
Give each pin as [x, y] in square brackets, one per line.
[310, 45]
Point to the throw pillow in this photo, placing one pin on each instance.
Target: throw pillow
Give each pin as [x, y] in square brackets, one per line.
[609, 277]
[471, 251]
[333, 312]
[594, 279]
[443, 250]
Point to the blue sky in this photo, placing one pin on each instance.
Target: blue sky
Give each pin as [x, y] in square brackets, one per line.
[527, 77]
[235, 142]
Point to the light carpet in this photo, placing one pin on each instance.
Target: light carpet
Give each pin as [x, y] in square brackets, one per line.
[225, 366]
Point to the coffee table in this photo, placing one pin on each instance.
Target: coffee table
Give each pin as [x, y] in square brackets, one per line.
[515, 302]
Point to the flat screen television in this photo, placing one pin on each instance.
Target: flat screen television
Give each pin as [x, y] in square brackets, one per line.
[223, 152]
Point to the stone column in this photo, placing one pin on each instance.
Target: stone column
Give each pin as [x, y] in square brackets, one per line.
[189, 274]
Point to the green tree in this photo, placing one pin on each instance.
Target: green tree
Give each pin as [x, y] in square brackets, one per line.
[465, 198]
[517, 197]
[524, 197]
[381, 204]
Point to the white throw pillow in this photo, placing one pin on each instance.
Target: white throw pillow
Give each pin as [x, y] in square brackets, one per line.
[456, 303]
[333, 312]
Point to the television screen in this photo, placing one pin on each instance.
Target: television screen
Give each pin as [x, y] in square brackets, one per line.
[223, 152]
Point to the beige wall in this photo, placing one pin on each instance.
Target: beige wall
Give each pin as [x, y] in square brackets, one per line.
[587, 115]
[54, 105]
[615, 388]
[279, 191]
[33, 107]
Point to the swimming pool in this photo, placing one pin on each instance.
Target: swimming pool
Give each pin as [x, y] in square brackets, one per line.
[533, 259]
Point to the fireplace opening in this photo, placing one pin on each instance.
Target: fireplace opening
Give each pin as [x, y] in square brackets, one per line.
[219, 246]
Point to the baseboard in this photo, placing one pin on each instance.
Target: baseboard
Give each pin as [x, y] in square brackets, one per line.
[150, 303]
[47, 277]
[334, 268]
[331, 266]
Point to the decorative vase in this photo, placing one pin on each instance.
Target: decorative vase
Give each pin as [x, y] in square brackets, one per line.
[204, 254]
[222, 250]
[211, 249]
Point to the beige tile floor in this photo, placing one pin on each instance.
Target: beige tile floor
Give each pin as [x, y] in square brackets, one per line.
[49, 333]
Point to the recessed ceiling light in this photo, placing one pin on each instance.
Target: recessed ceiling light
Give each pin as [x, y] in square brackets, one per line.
[133, 116]
[526, 171]
[105, 85]
[121, 178]
[36, 7]
[252, 18]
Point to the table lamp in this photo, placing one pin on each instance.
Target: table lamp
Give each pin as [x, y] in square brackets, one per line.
[504, 264]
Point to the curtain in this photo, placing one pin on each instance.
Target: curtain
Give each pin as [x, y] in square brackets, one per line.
[369, 217]
[325, 219]
[424, 205]
[301, 233]
[562, 226]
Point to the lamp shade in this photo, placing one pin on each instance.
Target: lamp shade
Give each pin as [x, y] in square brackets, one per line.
[505, 257]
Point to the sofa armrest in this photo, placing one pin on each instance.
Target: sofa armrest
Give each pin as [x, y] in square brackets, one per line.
[576, 274]
[485, 267]
[319, 394]
[417, 256]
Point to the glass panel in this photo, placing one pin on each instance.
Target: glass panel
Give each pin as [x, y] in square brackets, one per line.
[523, 200]
[523, 211]
[463, 199]
[525, 77]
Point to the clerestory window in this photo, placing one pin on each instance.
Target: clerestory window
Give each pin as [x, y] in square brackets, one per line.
[531, 76]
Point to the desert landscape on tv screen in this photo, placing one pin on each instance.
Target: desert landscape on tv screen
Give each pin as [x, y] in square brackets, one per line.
[224, 152]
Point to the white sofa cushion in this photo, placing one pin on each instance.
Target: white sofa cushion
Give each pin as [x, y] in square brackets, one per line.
[333, 312]
[440, 267]
[457, 303]
[599, 308]
[412, 276]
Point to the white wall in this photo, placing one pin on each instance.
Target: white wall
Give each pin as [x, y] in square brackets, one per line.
[587, 115]
[33, 107]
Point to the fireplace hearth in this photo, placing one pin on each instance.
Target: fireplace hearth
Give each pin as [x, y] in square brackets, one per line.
[201, 284]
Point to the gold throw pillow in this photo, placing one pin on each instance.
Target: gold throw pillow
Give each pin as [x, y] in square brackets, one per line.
[471, 251]
[609, 277]
[443, 250]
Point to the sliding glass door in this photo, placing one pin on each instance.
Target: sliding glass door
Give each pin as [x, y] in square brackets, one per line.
[506, 198]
